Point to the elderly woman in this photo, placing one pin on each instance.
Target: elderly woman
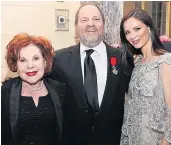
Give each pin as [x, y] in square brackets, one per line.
[31, 103]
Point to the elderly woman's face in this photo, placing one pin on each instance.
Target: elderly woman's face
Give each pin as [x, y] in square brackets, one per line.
[31, 64]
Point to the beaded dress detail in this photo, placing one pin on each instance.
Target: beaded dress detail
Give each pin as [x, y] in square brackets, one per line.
[147, 118]
[37, 125]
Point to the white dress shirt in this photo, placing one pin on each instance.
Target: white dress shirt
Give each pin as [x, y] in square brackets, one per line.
[99, 57]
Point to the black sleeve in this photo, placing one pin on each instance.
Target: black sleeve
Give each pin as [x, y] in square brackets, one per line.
[2, 97]
[5, 92]
[2, 116]
[61, 89]
[5, 95]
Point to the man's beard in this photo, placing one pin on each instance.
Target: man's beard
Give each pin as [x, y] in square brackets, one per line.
[90, 41]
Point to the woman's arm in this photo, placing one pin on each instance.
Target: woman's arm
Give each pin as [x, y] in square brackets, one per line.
[166, 81]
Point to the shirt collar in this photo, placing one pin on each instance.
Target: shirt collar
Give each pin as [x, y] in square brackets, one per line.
[99, 49]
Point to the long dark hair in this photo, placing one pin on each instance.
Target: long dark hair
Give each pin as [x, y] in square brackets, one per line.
[130, 50]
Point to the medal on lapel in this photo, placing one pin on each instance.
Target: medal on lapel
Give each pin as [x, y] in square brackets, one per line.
[113, 62]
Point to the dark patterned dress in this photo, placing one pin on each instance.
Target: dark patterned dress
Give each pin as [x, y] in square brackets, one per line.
[37, 124]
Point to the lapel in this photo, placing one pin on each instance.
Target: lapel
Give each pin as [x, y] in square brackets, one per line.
[14, 105]
[57, 105]
[76, 71]
[112, 79]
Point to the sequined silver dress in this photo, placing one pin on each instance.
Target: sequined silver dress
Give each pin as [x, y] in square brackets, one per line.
[147, 118]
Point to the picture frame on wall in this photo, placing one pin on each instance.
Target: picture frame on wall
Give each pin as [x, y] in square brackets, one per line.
[61, 20]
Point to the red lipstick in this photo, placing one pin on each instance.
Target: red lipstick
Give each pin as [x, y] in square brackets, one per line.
[31, 73]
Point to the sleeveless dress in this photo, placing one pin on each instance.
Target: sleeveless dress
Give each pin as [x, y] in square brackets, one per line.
[147, 118]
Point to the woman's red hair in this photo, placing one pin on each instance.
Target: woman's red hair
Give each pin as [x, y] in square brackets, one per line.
[22, 40]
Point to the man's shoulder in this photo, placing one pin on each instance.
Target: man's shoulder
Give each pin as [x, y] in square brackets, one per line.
[55, 82]
[115, 50]
[59, 86]
[65, 50]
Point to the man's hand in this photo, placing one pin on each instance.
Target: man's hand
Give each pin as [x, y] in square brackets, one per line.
[116, 45]
[164, 38]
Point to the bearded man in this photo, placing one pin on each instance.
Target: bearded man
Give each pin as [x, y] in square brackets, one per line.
[96, 81]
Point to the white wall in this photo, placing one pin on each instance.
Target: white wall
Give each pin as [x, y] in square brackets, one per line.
[36, 18]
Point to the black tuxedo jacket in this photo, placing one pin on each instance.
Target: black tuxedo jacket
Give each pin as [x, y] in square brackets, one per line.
[79, 128]
[10, 98]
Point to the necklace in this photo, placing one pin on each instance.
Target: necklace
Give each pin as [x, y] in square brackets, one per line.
[35, 89]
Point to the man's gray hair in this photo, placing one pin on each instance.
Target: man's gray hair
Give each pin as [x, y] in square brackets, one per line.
[85, 4]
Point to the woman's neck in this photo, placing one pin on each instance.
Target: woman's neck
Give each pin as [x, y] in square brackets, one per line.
[33, 87]
[147, 50]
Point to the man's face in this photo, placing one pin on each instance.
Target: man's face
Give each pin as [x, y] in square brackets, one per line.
[90, 26]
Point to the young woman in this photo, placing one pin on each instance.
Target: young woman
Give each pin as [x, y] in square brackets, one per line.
[147, 118]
